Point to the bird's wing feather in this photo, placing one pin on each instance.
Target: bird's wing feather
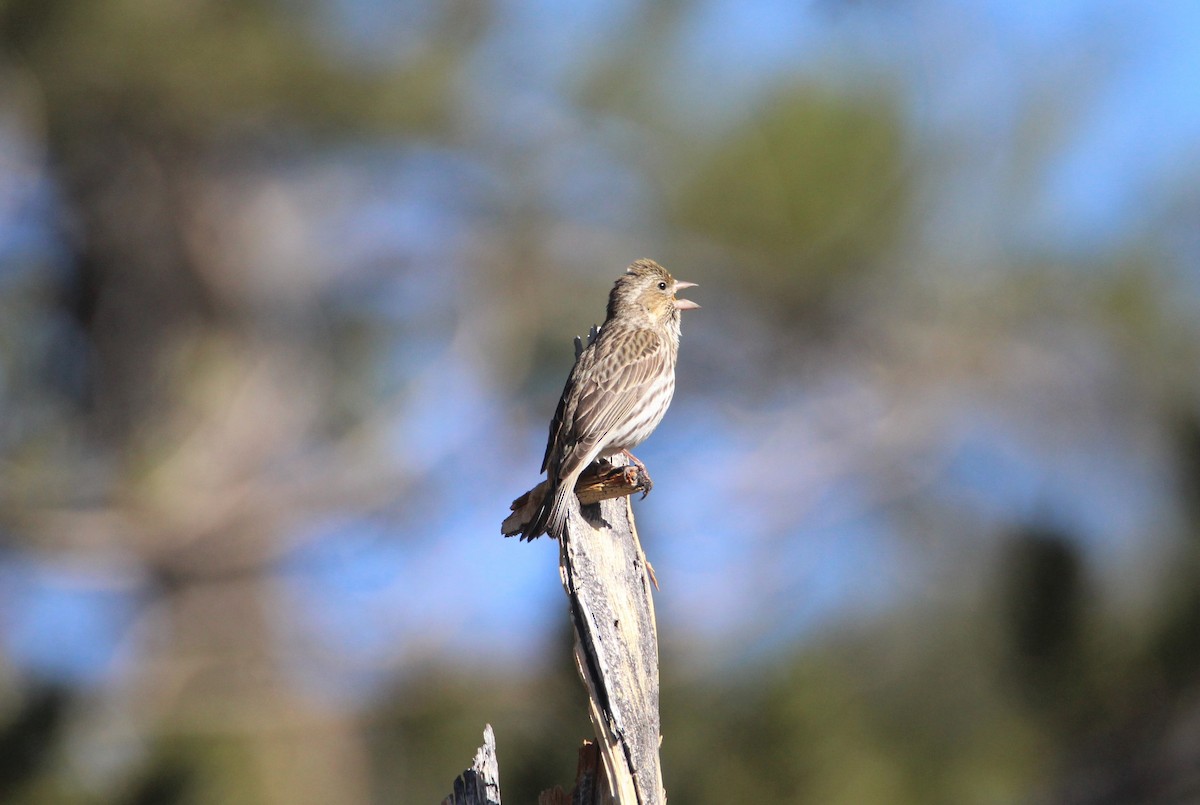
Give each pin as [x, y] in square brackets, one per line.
[569, 400]
[625, 364]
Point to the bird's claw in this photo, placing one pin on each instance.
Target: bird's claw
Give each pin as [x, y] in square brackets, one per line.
[644, 481]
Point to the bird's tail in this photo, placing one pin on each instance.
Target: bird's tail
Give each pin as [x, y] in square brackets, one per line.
[551, 517]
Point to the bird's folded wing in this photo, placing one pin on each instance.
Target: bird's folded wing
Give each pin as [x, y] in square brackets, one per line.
[568, 402]
[624, 373]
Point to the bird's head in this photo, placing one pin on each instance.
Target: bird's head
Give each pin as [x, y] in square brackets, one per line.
[647, 288]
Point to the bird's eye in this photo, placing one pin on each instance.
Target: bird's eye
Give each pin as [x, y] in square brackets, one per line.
[662, 286]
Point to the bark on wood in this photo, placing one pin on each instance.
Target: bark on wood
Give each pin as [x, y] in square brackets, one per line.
[608, 581]
[480, 784]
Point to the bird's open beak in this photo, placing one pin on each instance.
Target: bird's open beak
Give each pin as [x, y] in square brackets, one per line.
[685, 304]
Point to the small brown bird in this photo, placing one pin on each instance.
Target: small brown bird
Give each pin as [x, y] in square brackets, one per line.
[619, 389]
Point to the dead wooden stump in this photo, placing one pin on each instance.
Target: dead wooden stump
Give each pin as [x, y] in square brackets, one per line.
[608, 584]
[480, 784]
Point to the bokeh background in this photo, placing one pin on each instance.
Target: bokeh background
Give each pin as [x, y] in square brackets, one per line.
[287, 293]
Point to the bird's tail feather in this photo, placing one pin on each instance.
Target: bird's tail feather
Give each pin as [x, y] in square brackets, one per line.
[552, 515]
[556, 519]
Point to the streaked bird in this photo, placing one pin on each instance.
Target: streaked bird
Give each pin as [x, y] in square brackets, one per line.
[619, 388]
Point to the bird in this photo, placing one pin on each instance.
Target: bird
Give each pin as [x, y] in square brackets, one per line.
[619, 388]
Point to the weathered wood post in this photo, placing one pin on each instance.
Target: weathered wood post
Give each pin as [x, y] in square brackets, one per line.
[608, 584]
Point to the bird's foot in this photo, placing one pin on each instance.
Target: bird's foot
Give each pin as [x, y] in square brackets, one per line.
[643, 477]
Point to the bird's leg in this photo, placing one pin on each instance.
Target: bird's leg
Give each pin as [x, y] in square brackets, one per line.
[634, 460]
[643, 476]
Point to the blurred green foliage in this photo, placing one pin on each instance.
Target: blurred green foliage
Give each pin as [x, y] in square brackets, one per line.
[195, 69]
[808, 193]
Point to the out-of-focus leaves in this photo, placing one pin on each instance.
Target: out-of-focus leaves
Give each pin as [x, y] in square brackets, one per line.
[538, 718]
[1176, 646]
[29, 738]
[166, 783]
[819, 727]
[1043, 599]
[190, 68]
[1187, 447]
[806, 194]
